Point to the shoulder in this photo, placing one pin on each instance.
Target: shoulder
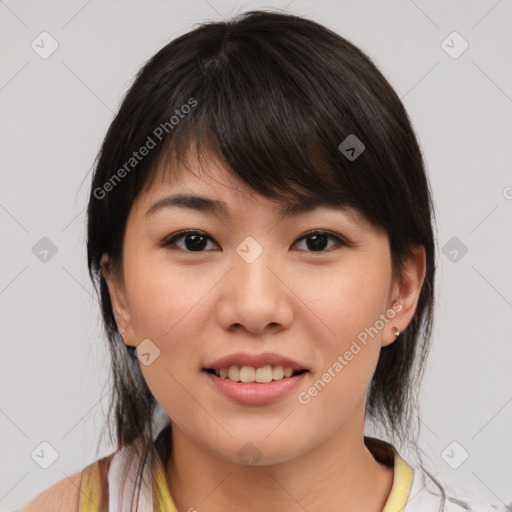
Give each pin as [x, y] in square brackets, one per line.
[64, 496]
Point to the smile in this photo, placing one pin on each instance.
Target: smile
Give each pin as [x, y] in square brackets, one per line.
[261, 375]
[249, 391]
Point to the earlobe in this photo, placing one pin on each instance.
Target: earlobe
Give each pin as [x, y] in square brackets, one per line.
[411, 283]
[391, 331]
[117, 299]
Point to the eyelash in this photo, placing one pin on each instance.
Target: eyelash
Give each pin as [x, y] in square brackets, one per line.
[171, 241]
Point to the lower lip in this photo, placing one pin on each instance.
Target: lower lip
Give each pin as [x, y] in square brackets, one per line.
[252, 393]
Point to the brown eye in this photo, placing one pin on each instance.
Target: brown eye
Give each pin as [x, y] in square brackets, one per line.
[317, 241]
[191, 241]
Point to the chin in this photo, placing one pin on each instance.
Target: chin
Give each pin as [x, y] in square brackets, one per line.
[252, 452]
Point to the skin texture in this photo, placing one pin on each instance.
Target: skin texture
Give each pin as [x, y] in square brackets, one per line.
[305, 304]
[63, 496]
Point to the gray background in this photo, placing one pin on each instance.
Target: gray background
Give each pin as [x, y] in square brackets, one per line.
[54, 113]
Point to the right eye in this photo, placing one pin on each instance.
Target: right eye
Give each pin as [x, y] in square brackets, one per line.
[193, 241]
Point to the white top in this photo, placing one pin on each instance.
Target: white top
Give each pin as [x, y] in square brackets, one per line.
[426, 496]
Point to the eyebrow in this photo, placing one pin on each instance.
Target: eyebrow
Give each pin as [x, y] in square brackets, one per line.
[220, 208]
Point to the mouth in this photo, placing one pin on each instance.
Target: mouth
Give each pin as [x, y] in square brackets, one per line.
[249, 374]
[252, 386]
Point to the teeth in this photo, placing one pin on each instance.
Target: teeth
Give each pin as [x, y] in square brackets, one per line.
[250, 374]
[287, 372]
[233, 373]
[263, 374]
[277, 373]
[247, 374]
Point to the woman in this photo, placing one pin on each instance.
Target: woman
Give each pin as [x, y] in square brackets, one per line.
[260, 231]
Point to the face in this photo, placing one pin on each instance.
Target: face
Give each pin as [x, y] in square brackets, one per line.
[250, 281]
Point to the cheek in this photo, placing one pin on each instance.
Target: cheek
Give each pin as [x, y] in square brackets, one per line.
[173, 389]
[163, 298]
[350, 302]
[167, 306]
[348, 357]
[346, 300]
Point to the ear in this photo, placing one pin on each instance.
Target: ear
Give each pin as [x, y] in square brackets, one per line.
[406, 294]
[118, 299]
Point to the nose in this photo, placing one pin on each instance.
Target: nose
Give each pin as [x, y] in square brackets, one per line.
[254, 296]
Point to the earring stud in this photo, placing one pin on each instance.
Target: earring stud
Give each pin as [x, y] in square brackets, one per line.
[396, 332]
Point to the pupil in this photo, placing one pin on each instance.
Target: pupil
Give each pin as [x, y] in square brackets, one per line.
[319, 242]
[198, 242]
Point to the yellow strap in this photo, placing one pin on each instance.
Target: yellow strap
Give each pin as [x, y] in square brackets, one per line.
[161, 495]
[90, 489]
[402, 483]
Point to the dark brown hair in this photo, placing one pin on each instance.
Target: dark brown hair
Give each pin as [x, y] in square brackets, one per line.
[272, 95]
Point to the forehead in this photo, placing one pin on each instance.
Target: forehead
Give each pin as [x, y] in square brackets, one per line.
[208, 186]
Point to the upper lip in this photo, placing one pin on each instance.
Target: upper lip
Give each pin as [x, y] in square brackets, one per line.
[255, 360]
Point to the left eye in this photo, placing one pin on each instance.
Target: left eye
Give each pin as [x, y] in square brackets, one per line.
[319, 239]
[196, 241]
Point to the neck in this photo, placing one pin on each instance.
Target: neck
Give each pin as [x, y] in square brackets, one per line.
[340, 475]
